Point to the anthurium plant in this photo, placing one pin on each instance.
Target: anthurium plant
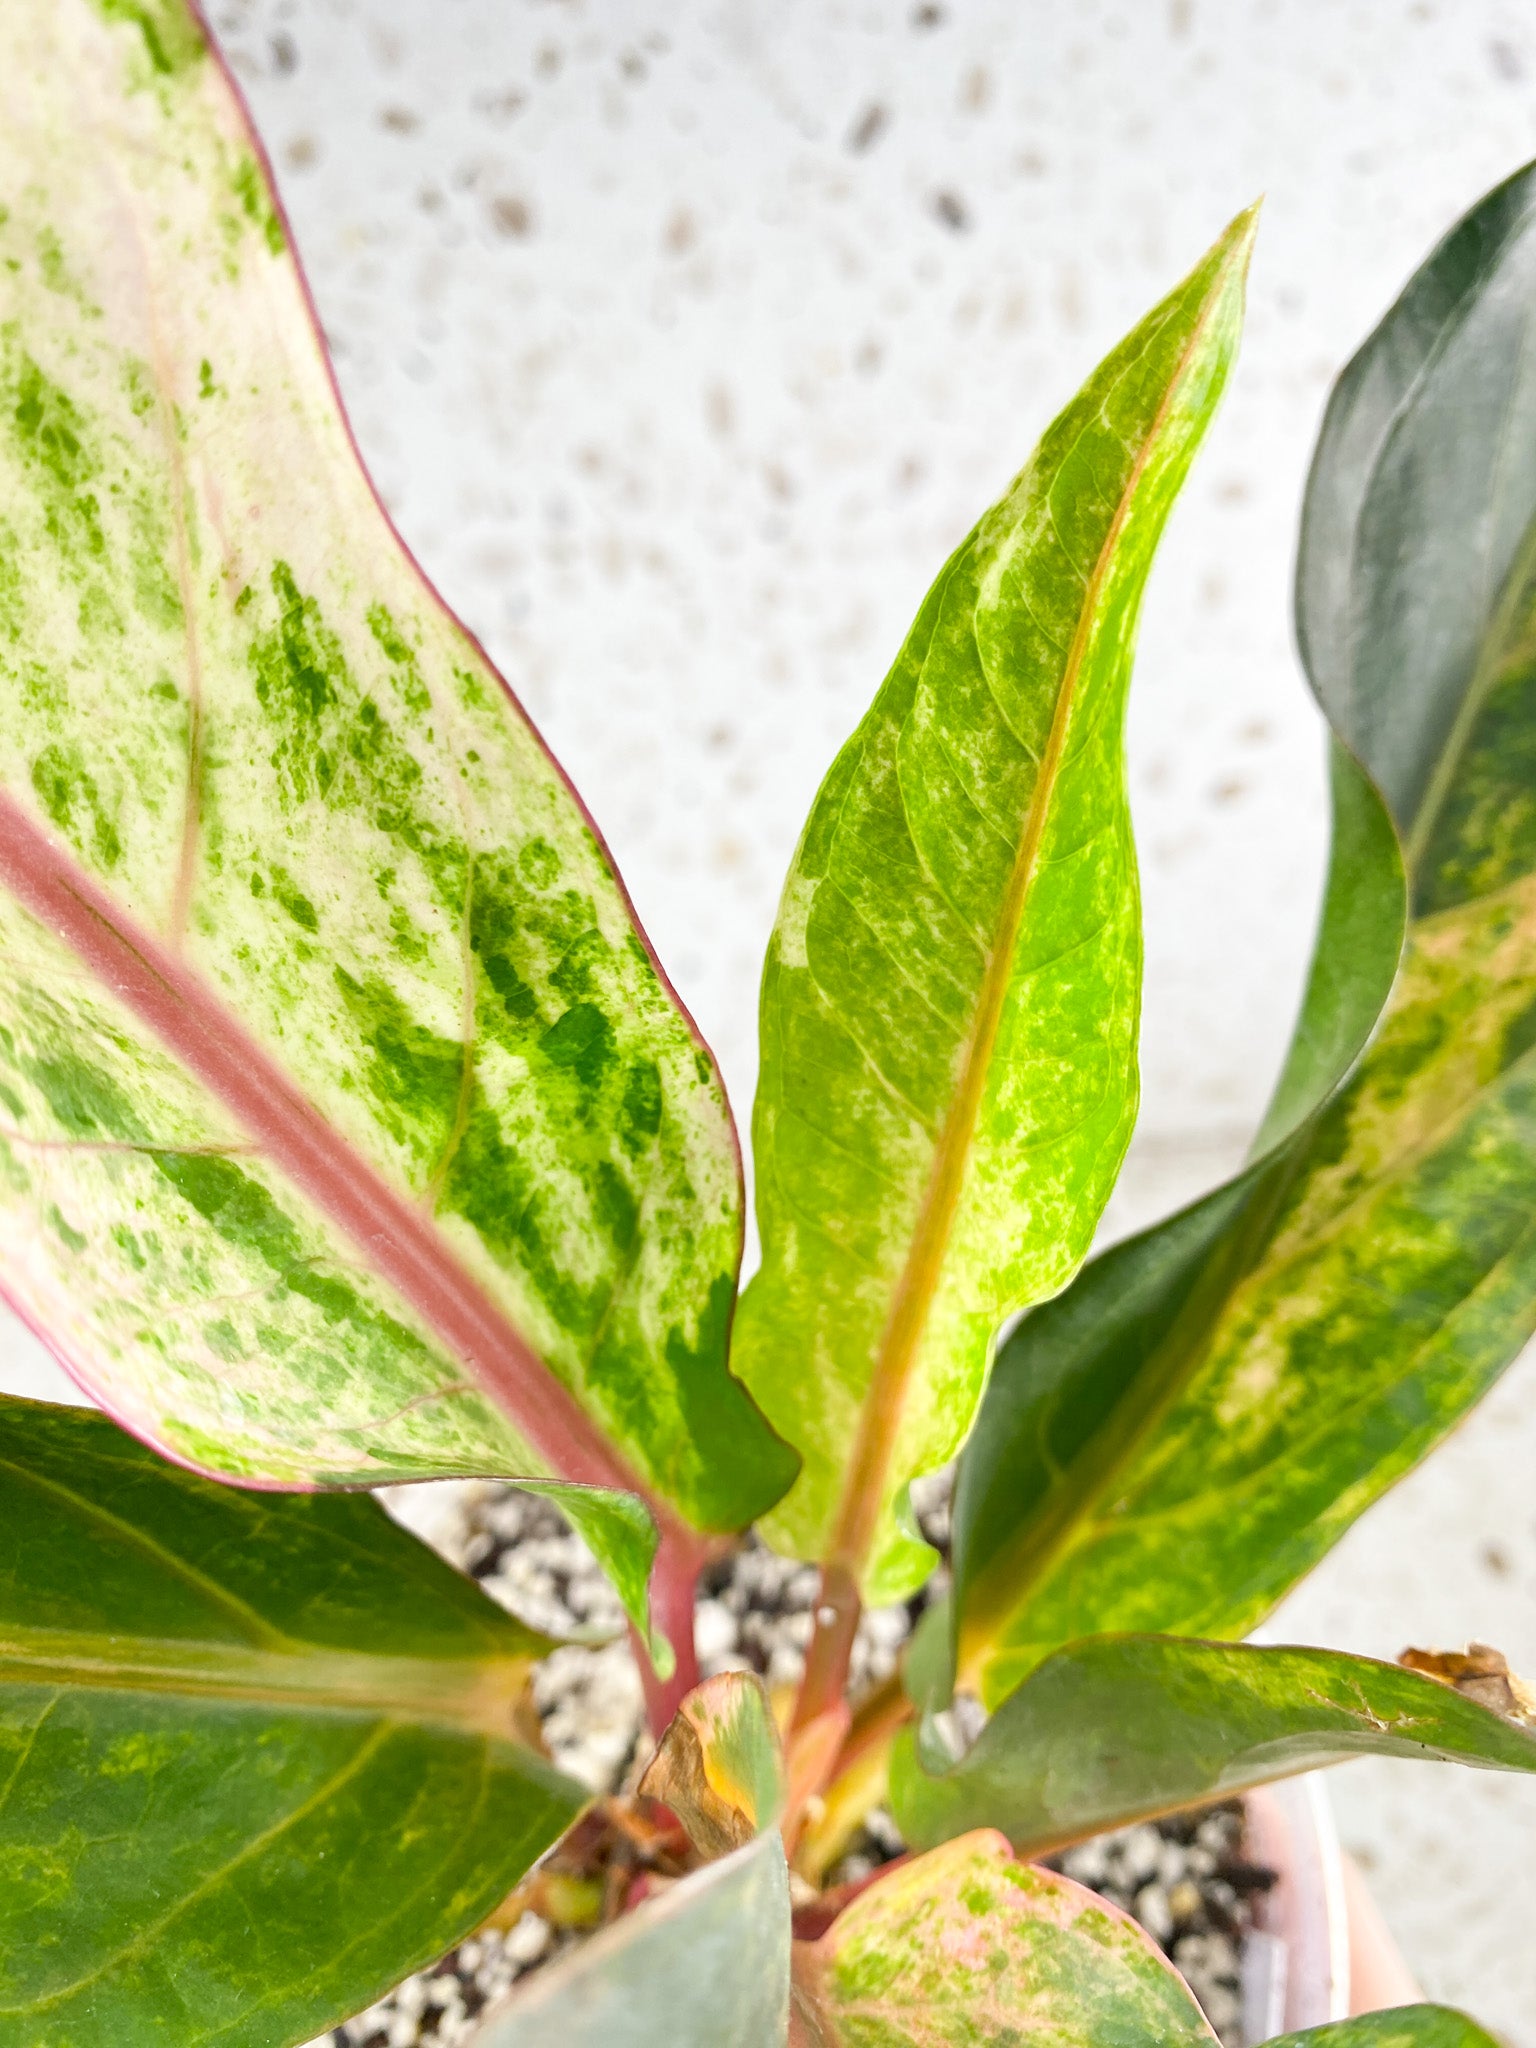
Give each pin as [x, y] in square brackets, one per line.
[351, 1134]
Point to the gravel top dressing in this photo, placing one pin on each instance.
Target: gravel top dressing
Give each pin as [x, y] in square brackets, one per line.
[1183, 1878]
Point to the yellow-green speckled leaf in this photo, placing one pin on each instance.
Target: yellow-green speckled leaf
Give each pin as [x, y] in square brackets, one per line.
[1175, 1441]
[257, 1752]
[965, 1946]
[951, 993]
[348, 1130]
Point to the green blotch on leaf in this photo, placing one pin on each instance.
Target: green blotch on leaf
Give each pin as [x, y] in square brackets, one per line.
[128, 1244]
[298, 906]
[239, 1208]
[492, 1188]
[85, 1102]
[66, 1230]
[255, 203]
[13, 587]
[139, 387]
[409, 943]
[538, 863]
[69, 794]
[1519, 1035]
[247, 1217]
[413, 691]
[330, 739]
[415, 1075]
[582, 1040]
[493, 936]
[517, 997]
[137, 1754]
[640, 1116]
[299, 666]
[615, 1206]
[52, 439]
[50, 257]
[223, 1340]
[172, 39]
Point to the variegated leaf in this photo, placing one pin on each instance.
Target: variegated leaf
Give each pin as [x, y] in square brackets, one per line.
[951, 992]
[348, 1130]
[1178, 1439]
[965, 1945]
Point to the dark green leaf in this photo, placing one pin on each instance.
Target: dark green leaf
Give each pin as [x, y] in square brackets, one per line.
[1181, 1436]
[966, 1946]
[348, 1129]
[256, 1751]
[1400, 2026]
[1122, 1727]
[1419, 506]
[950, 998]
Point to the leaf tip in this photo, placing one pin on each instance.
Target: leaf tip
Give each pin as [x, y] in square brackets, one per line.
[1480, 1673]
[1242, 232]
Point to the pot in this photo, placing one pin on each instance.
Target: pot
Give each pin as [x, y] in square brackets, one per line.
[1321, 1950]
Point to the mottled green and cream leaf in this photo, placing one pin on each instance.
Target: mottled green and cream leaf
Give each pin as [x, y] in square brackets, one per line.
[238, 724]
[951, 992]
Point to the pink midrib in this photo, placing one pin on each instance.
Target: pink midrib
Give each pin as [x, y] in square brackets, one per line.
[400, 1244]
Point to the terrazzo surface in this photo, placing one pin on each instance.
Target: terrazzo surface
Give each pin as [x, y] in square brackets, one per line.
[685, 340]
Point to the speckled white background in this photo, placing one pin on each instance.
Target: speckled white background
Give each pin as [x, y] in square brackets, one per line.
[685, 339]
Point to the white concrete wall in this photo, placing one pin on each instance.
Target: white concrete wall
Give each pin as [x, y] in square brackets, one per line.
[686, 338]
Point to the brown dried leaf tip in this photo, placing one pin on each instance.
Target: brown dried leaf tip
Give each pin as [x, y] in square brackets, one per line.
[719, 1766]
[1479, 1673]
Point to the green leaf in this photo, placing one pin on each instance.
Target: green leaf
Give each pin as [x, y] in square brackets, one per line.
[705, 1965]
[348, 1129]
[1400, 2026]
[950, 998]
[966, 1945]
[1418, 510]
[256, 1751]
[1123, 1727]
[1181, 1436]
